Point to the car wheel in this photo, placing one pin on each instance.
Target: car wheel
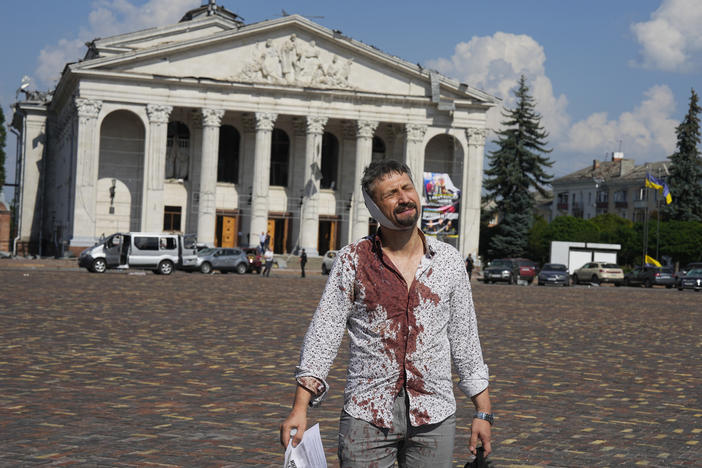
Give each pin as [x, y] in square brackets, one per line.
[324, 269]
[165, 267]
[99, 265]
[627, 282]
[540, 283]
[680, 288]
[595, 279]
[647, 283]
[512, 280]
[668, 286]
[206, 268]
[241, 268]
[575, 279]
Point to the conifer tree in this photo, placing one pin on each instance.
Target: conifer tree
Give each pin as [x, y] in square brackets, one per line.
[3, 136]
[686, 169]
[515, 168]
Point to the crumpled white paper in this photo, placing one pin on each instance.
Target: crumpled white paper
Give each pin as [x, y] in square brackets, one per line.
[309, 453]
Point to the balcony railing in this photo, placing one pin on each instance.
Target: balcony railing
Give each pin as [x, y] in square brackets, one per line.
[620, 204]
[602, 204]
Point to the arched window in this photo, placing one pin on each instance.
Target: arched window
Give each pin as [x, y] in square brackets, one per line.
[444, 154]
[330, 161]
[228, 159]
[177, 151]
[280, 151]
[378, 149]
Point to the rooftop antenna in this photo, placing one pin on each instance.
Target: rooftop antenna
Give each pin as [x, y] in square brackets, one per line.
[211, 7]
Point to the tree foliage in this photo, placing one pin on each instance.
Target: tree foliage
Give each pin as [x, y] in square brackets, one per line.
[517, 166]
[3, 136]
[686, 168]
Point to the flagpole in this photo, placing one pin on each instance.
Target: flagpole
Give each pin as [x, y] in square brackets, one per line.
[645, 233]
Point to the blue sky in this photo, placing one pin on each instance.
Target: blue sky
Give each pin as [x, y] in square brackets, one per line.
[605, 74]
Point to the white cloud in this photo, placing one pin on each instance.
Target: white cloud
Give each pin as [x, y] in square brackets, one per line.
[672, 39]
[108, 18]
[495, 63]
[647, 132]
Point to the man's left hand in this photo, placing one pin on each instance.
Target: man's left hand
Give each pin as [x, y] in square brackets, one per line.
[480, 429]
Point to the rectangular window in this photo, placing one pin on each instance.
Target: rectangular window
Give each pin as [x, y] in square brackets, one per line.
[167, 243]
[171, 218]
[146, 243]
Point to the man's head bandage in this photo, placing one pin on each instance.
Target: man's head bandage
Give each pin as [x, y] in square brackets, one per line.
[379, 216]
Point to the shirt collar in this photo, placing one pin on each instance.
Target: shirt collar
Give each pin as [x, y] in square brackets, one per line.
[429, 250]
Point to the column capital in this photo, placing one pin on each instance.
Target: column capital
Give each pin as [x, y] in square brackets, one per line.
[476, 136]
[415, 132]
[87, 108]
[366, 128]
[265, 121]
[315, 124]
[212, 117]
[158, 114]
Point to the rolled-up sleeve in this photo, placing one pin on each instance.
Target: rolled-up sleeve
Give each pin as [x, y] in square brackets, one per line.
[465, 343]
[326, 330]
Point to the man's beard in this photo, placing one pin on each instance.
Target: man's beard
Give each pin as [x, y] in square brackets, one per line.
[406, 221]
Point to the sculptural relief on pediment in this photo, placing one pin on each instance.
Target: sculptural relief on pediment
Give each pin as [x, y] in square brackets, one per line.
[295, 62]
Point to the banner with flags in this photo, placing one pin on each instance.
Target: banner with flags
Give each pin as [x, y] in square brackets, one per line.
[652, 261]
[441, 207]
[657, 184]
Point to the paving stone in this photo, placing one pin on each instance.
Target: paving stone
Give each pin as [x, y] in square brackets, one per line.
[196, 370]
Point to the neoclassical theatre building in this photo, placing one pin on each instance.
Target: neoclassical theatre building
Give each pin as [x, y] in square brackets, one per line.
[225, 129]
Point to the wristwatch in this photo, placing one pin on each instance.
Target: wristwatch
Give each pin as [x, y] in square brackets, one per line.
[486, 416]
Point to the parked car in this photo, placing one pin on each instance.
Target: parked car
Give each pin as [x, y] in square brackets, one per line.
[254, 256]
[328, 261]
[650, 276]
[524, 269]
[691, 280]
[683, 271]
[499, 270]
[224, 260]
[599, 272]
[554, 273]
[159, 252]
[510, 270]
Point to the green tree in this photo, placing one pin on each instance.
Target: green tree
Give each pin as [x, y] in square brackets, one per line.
[539, 249]
[516, 166]
[571, 229]
[686, 169]
[3, 136]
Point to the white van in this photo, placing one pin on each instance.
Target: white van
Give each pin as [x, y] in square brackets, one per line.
[161, 253]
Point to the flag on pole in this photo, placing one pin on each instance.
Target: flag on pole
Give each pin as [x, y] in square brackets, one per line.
[652, 261]
[657, 184]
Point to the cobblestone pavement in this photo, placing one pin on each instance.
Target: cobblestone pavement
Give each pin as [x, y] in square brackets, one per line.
[191, 370]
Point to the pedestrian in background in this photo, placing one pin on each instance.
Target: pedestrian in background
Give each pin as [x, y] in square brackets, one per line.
[262, 242]
[469, 266]
[268, 257]
[303, 262]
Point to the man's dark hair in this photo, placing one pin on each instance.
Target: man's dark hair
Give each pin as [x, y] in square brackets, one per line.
[379, 169]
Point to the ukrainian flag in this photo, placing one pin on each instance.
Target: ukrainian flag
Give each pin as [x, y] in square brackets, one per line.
[662, 187]
[652, 261]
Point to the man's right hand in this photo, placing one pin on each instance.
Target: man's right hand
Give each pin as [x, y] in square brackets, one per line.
[296, 420]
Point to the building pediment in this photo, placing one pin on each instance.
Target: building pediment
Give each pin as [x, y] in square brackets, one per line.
[289, 52]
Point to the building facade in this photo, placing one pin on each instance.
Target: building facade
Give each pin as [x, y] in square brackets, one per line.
[616, 186]
[227, 130]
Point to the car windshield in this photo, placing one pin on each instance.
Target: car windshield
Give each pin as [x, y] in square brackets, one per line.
[695, 272]
[554, 267]
[500, 263]
[610, 265]
[205, 252]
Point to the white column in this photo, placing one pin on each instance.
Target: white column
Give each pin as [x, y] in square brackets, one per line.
[364, 153]
[297, 179]
[194, 170]
[87, 160]
[155, 167]
[313, 173]
[265, 122]
[211, 120]
[414, 155]
[471, 189]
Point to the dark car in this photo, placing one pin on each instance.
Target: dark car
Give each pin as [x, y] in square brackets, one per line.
[691, 280]
[683, 271]
[499, 270]
[224, 260]
[554, 273]
[254, 256]
[650, 276]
